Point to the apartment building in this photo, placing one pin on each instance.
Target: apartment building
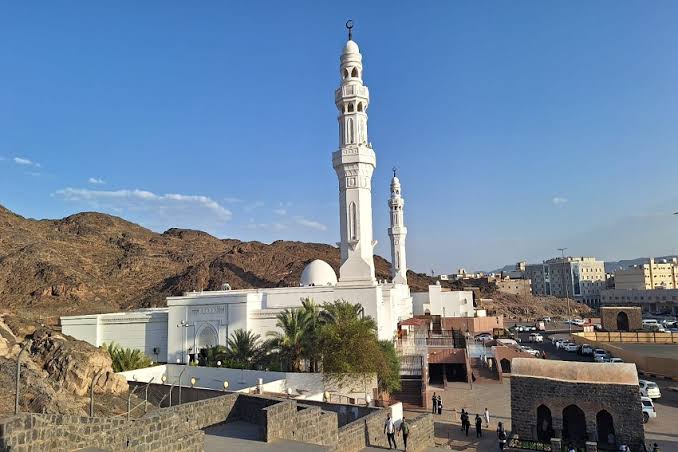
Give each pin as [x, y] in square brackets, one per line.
[661, 274]
[656, 301]
[580, 278]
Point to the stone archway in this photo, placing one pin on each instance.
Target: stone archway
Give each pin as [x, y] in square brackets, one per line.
[574, 426]
[622, 321]
[544, 424]
[605, 429]
[505, 366]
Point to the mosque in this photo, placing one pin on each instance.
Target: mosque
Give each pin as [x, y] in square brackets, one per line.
[196, 320]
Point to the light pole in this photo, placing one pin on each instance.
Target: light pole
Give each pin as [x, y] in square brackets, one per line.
[185, 324]
[567, 296]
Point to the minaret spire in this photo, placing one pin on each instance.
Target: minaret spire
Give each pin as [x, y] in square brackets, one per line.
[397, 232]
[354, 163]
[349, 27]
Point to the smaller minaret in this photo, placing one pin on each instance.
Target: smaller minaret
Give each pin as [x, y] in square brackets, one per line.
[397, 232]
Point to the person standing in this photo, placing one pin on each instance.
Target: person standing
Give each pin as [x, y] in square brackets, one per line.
[440, 405]
[487, 418]
[468, 423]
[462, 417]
[434, 404]
[501, 435]
[389, 429]
[405, 430]
[479, 426]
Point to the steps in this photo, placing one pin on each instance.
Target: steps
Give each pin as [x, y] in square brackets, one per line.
[410, 393]
[482, 373]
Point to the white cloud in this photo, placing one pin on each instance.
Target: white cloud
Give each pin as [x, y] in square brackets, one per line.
[96, 181]
[168, 210]
[269, 226]
[252, 206]
[280, 211]
[25, 162]
[558, 201]
[232, 200]
[311, 224]
[33, 173]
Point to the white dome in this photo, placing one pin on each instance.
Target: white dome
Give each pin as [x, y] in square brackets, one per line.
[351, 47]
[318, 273]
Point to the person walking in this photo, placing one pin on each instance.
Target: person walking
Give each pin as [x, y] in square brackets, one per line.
[389, 429]
[487, 418]
[501, 435]
[434, 404]
[405, 430]
[462, 417]
[479, 426]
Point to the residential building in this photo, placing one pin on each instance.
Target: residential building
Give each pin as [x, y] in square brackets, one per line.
[579, 278]
[514, 286]
[661, 274]
[658, 301]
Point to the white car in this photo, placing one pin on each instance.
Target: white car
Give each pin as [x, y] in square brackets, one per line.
[599, 355]
[570, 347]
[531, 351]
[484, 337]
[648, 409]
[536, 337]
[578, 322]
[614, 360]
[649, 389]
[559, 343]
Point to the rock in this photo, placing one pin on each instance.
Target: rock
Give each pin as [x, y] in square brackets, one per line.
[73, 364]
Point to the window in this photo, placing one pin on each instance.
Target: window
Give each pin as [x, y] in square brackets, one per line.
[354, 72]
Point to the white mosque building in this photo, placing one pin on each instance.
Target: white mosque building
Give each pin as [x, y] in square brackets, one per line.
[199, 319]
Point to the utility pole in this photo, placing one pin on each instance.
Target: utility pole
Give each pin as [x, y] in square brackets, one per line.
[567, 296]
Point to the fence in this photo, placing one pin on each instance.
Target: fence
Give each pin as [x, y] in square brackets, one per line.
[642, 337]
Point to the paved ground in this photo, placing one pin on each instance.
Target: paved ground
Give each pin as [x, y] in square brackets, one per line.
[658, 350]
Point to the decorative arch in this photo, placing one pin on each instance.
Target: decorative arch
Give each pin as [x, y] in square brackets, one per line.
[622, 321]
[351, 108]
[544, 424]
[505, 364]
[360, 106]
[354, 72]
[345, 73]
[207, 337]
[605, 428]
[350, 137]
[574, 425]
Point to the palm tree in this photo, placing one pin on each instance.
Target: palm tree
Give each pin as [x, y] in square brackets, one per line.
[245, 348]
[217, 353]
[341, 311]
[123, 359]
[315, 319]
[289, 342]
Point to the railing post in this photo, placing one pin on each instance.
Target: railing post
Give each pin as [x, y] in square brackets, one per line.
[180, 375]
[146, 395]
[129, 401]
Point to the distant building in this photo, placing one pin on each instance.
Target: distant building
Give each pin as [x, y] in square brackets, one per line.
[444, 302]
[652, 300]
[653, 275]
[580, 278]
[514, 286]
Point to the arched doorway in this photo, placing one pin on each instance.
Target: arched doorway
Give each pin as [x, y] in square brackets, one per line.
[605, 429]
[207, 337]
[505, 366]
[544, 424]
[622, 321]
[574, 425]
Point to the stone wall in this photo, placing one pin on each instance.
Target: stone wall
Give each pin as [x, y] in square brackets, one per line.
[308, 424]
[369, 432]
[622, 401]
[608, 317]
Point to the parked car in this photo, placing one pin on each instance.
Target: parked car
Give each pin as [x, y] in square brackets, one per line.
[649, 389]
[531, 351]
[599, 354]
[536, 337]
[570, 347]
[614, 360]
[586, 350]
[578, 322]
[484, 337]
[517, 328]
[648, 409]
[546, 319]
[559, 343]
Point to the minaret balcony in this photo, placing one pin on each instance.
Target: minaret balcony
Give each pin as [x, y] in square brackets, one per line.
[352, 90]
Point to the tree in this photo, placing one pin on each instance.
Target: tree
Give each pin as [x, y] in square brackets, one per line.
[244, 349]
[314, 322]
[124, 359]
[290, 340]
[388, 373]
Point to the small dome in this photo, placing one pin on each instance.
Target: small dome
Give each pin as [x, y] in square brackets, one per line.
[318, 273]
[351, 47]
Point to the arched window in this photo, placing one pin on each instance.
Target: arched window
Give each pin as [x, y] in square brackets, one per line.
[360, 106]
[350, 137]
[354, 72]
[345, 73]
[353, 221]
[207, 337]
[622, 321]
[574, 425]
[350, 108]
[605, 428]
[544, 424]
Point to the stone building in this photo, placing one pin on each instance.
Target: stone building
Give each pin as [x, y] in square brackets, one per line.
[621, 318]
[580, 278]
[660, 301]
[565, 402]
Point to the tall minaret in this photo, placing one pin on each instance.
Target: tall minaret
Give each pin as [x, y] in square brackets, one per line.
[354, 163]
[397, 232]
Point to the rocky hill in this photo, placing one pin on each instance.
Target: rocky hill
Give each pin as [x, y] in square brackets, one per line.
[92, 262]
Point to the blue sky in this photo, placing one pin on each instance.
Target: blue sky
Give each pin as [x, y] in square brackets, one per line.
[518, 127]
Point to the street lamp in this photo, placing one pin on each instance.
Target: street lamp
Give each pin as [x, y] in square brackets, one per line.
[185, 324]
